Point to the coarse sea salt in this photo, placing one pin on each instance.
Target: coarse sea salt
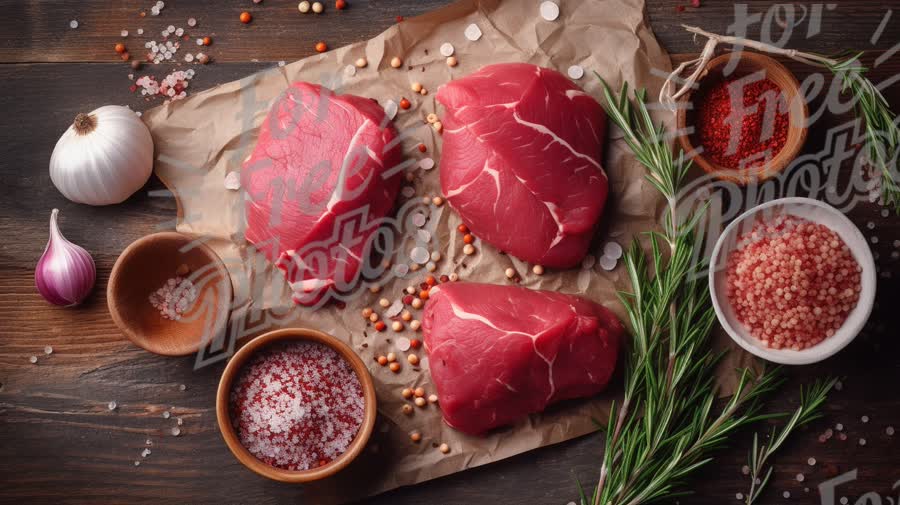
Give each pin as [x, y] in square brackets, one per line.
[447, 49]
[472, 32]
[420, 255]
[613, 250]
[390, 109]
[576, 72]
[549, 10]
[607, 263]
[401, 269]
[349, 70]
[408, 191]
[426, 163]
[403, 344]
[73, 24]
[423, 236]
[394, 309]
[233, 181]
[297, 406]
[419, 219]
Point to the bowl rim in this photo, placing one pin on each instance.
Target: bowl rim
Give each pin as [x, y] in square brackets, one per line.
[294, 476]
[784, 157]
[844, 335]
[115, 277]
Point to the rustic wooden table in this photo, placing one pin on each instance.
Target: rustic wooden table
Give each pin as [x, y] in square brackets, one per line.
[58, 441]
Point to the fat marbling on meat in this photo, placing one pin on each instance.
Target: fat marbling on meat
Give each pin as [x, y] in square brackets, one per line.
[497, 353]
[322, 175]
[521, 161]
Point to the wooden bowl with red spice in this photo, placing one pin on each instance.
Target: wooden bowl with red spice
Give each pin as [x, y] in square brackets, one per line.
[168, 293]
[296, 405]
[773, 118]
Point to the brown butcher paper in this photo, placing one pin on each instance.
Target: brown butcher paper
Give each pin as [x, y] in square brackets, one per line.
[610, 37]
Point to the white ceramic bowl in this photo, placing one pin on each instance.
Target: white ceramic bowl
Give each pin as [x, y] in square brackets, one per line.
[815, 211]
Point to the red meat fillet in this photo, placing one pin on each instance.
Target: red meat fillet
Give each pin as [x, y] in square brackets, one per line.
[498, 353]
[521, 161]
[321, 176]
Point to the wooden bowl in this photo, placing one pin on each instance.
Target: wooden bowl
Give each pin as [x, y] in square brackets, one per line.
[798, 113]
[144, 267]
[294, 476]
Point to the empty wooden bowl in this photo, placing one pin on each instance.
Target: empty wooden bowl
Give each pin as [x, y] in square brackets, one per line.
[798, 112]
[223, 400]
[144, 267]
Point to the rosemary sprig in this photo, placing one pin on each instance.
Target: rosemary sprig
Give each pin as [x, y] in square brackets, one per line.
[882, 133]
[665, 427]
[809, 410]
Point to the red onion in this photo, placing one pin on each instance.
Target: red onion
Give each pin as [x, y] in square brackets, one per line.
[65, 274]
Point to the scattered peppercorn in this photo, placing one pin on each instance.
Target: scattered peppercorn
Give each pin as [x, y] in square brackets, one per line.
[207, 41]
[422, 148]
[452, 61]
[246, 17]
[406, 393]
[362, 63]
[120, 48]
[415, 436]
[444, 448]
[415, 343]
[382, 360]
[396, 62]
[407, 409]
[136, 64]
[404, 104]
[380, 326]
[321, 46]
[468, 238]
[340, 5]
[394, 367]
[317, 7]
[462, 229]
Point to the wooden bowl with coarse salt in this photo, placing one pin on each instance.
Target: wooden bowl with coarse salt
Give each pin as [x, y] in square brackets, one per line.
[148, 265]
[231, 375]
[748, 63]
[816, 212]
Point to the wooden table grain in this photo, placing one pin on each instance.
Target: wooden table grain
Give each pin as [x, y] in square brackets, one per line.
[59, 443]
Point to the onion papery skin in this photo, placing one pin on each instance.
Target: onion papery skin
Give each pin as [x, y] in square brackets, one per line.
[104, 160]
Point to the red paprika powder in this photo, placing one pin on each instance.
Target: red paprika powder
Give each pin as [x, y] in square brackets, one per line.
[741, 123]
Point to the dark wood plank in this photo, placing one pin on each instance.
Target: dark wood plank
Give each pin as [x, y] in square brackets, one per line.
[59, 443]
[38, 31]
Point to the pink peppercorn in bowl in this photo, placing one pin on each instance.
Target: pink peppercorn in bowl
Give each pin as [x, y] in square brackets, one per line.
[233, 390]
[856, 283]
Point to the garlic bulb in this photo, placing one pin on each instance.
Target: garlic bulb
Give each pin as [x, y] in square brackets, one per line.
[65, 274]
[103, 158]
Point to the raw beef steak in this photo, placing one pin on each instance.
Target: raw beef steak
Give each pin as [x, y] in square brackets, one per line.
[498, 353]
[318, 182]
[521, 161]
